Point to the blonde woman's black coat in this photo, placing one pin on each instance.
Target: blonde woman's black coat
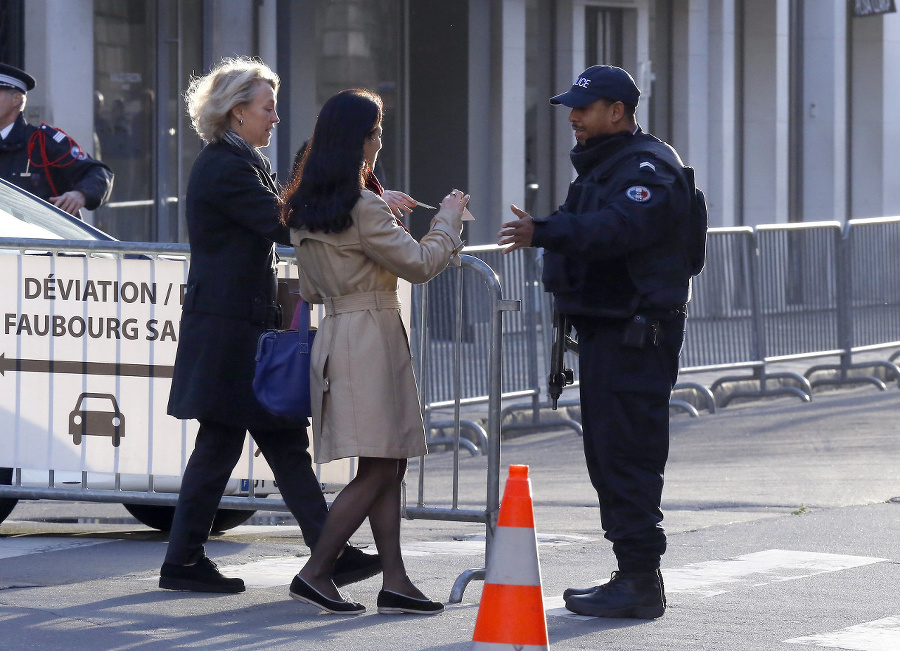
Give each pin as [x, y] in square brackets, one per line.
[230, 297]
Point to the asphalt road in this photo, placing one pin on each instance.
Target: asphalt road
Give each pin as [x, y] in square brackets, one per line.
[782, 535]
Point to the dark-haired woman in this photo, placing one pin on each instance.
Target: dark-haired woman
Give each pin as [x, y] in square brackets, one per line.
[351, 251]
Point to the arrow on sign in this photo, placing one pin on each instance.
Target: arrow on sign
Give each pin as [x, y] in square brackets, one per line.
[82, 368]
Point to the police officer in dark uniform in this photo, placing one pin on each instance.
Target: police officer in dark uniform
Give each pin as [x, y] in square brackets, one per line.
[617, 260]
[43, 160]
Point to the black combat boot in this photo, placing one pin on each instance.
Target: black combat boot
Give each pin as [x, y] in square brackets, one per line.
[639, 595]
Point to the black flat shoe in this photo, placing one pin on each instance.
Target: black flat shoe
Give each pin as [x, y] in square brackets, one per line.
[394, 603]
[354, 565]
[302, 591]
[202, 576]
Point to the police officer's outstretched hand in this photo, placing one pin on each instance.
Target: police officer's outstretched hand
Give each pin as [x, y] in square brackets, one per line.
[518, 234]
[71, 201]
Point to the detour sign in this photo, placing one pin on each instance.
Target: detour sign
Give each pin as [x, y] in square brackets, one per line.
[87, 346]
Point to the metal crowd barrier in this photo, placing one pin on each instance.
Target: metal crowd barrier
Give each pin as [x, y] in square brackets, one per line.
[525, 348]
[97, 321]
[101, 321]
[870, 304]
[471, 296]
[767, 296]
[806, 291]
[122, 472]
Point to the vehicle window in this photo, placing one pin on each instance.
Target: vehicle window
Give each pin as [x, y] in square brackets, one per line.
[12, 227]
[24, 215]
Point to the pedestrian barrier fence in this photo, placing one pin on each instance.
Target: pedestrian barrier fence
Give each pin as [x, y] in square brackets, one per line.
[808, 290]
[453, 362]
[869, 292]
[525, 352]
[87, 350]
[767, 296]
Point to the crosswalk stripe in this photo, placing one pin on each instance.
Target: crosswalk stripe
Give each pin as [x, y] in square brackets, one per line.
[266, 572]
[705, 579]
[23, 546]
[273, 571]
[879, 635]
[711, 578]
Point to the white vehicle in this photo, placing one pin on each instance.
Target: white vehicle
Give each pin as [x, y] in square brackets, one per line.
[87, 344]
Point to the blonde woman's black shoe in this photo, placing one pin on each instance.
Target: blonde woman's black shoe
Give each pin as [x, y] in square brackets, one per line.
[202, 576]
[354, 565]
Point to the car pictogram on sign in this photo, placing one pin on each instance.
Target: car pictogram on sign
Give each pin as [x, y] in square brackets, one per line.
[97, 422]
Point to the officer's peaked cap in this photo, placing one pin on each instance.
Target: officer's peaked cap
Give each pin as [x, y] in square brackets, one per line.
[600, 82]
[12, 77]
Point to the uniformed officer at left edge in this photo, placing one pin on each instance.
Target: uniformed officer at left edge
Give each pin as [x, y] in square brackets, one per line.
[44, 160]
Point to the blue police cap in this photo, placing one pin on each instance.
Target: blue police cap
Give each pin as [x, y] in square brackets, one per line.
[600, 82]
[12, 77]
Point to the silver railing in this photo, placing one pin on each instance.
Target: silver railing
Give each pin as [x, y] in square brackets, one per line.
[769, 298]
[440, 312]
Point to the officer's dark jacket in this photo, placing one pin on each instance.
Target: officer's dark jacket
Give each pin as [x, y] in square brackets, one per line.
[230, 299]
[619, 242]
[71, 168]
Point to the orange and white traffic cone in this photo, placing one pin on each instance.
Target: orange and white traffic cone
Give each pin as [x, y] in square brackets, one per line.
[511, 614]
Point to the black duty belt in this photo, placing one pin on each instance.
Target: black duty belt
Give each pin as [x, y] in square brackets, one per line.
[661, 314]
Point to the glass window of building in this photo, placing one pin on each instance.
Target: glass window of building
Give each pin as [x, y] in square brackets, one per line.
[143, 57]
[340, 44]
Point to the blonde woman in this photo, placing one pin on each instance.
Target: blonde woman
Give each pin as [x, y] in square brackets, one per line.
[232, 211]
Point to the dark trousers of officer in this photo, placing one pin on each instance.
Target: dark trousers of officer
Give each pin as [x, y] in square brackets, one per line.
[216, 452]
[625, 392]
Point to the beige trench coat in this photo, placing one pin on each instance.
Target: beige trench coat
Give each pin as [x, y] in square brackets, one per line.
[364, 397]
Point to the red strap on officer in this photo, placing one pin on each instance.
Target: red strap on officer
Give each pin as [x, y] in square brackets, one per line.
[39, 139]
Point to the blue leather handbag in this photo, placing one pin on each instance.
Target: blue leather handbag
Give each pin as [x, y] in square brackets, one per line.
[281, 381]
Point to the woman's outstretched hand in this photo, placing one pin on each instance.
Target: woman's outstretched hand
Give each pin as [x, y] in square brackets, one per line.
[455, 201]
[399, 202]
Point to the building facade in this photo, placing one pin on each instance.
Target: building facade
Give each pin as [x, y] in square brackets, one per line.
[789, 110]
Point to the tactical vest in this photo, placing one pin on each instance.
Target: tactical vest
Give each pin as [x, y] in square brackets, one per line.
[660, 274]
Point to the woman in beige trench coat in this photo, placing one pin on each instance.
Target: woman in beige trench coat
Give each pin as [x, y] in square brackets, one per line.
[351, 251]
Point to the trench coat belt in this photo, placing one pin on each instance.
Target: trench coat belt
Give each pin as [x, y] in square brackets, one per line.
[361, 302]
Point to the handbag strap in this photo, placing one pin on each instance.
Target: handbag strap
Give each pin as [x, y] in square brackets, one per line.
[303, 326]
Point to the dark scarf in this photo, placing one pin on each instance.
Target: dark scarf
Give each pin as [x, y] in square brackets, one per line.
[372, 183]
[235, 140]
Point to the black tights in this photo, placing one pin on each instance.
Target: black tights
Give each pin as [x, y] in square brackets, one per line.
[373, 493]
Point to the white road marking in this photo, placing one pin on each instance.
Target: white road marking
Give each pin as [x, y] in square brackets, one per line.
[705, 579]
[273, 571]
[880, 635]
[23, 546]
[712, 578]
[266, 572]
